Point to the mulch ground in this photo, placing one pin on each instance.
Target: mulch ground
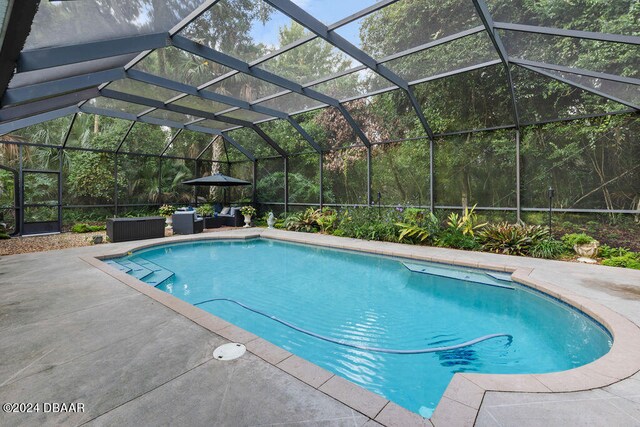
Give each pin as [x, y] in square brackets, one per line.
[23, 245]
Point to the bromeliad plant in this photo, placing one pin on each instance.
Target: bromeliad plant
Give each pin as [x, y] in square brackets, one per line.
[512, 239]
[418, 226]
[306, 221]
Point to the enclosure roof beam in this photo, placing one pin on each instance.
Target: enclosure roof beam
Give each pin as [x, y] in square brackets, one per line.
[61, 86]
[305, 135]
[588, 35]
[487, 20]
[206, 148]
[144, 77]
[18, 19]
[303, 18]
[269, 141]
[578, 71]
[173, 138]
[39, 59]
[233, 142]
[231, 62]
[183, 110]
[579, 86]
[35, 119]
[48, 104]
[66, 135]
[124, 138]
[136, 99]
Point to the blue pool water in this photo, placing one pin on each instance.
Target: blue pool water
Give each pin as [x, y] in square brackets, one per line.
[375, 301]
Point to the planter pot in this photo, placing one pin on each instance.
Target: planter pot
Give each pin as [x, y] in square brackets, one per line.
[247, 221]
[588, 250]
[169, 221]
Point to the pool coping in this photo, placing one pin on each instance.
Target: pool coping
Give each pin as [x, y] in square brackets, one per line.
[463, 397]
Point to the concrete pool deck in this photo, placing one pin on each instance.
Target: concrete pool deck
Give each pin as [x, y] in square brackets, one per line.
[71, 332]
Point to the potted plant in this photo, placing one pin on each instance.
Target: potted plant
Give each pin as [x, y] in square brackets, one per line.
[248, 212]
[583, 245]
[166, 211]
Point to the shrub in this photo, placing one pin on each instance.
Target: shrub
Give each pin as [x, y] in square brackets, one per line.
[630, 260]
[327, 220]
[547, 248]
[418, 227]
[4, 236]
[368, 223]
[570, 240]
[454, 238]
[86, 228]
[606, 251]
[204, 210]
[467, 223]
[511, 239]
[306, 221]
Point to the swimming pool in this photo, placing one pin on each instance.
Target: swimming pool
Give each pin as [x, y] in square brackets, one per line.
[375, 302]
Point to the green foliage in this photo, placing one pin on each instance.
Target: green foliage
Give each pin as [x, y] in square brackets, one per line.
[411, 233]
[248, 210]
[327, 220]
[570, 240]
[511, 239]
[630, 260]
[166, 210]
[454, 238]
[465, 224]
[306, 221]
[547, 248]
[369, 223]
[418, 226]
[606, 251]
[86, 228]
[4, 236]
[204, 210]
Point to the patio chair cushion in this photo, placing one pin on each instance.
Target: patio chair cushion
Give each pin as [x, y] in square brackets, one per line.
[232, 212]
[225, 211]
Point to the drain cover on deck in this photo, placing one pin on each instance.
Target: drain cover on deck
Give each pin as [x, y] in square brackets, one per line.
[229, 351]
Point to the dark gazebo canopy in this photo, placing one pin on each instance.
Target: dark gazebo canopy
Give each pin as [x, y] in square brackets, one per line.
[217, 179]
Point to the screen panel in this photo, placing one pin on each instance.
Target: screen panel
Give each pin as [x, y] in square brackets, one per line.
[540, 98]
[411, 24]
[400, 173]
[477, 168]
[97, 132]
[328, 128]
[181, 66]
[304, 179]
[385, 117]
[270, 182]
[592, 164]
[476, 99]
[345, 176]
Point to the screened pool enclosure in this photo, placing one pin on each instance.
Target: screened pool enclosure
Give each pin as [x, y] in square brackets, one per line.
[111, 104]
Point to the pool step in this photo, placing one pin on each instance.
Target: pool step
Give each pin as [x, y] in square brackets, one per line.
[453, 273]
[504, 277]
[135, 269]
[145, 270]
[117, 265]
